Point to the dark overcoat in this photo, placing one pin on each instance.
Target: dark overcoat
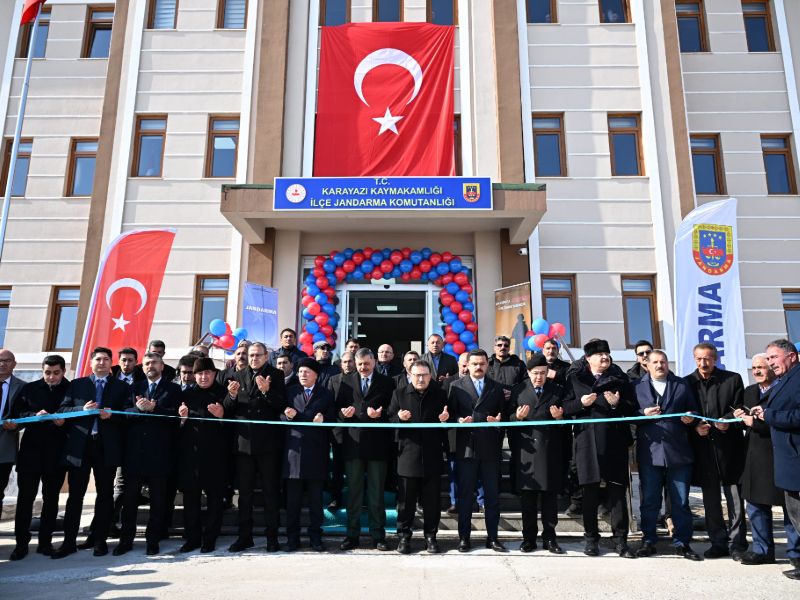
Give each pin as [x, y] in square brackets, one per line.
[306, 448]
[483, 443]
[783, 416]
[42, 443]
[203, 446]
[150, 441]
[358, 443]
[758, 476]
[251, 404]
[420, 451]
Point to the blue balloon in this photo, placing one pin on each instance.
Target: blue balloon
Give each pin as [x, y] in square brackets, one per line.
[426, 252]
[396, 272]
[387, 252]
[416, 257]
[312, 290]
[472, 346]
[442, 268]
[452, 287]
[406, 266]
[329, 266]
[366, 266]
[387, 275]
[348, 252]
[321, 299]
[328, 309]
[307, 315]
[376, 258]
[312, 327]
[449, 349]
[319, 337]
[530, 345]
[462, 296]
[467, 337]
[217, 327]
[332, 279]
[357, 274]
[338, 259]
[455, 265]
[310, 280]
[446, 310]
[540, 326]
[797, 346]
[458, 327]
[450, 318]
[467, 305]
[240, 333]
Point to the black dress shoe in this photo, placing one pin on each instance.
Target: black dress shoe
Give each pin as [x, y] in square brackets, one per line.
[189, 547]
[738, 555]
[115, 532]
[240, 545]
[793, 574]
[591, 549]
[404, 547]
[552, 547]
[452, 509]
[100, 549]
[63, 551]
[624, 551]
[795, 562]
[46, 549]
[292, 545]
[464, 545]
[349, 544]
[496, 545]
[122, 548]
[527, 547]
[380, 545]
[274, 546]
[686, 552]
[152, 549]
[646, 549]
[573, 510]
[756, 558]
[317, 546]
[208, 547]
[88, 544]
[716, 552]
[334, 505]
[432, 545]
[18, 553]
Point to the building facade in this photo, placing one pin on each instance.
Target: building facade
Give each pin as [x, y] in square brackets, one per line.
[602, 123]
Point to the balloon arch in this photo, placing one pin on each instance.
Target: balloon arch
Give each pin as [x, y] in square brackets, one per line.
[442, 269]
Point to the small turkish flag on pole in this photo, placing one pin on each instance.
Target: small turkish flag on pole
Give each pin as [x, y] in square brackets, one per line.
[30, 10]
[125, 293]
[385, 101]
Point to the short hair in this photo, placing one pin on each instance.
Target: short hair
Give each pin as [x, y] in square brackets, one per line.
[705, 346]
[101, 350]
[364, 353]
[477, 352]
[347, 353]
[157, 344]
[290, 330]
[128, 350]
[187, 360]
[411, 353]
[196, 354]
[550, 341]
[243, 344]
[784, 345]
[422, 363]
[642, 343]
[152, 356]
[433, 335]
[352, 341]
[658, 352]
[54, 360]
[286, 356]
[258, 345]
[501, 338]
[760, 356]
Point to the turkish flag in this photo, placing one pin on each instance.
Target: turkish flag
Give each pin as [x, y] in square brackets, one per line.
[126, 293]
[385, 100]
[29, 11]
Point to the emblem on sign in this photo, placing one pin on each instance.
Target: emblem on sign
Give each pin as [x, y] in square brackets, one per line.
[472, 192]
[295, 193]
[712, 248]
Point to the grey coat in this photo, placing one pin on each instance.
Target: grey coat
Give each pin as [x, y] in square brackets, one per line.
[9, 440]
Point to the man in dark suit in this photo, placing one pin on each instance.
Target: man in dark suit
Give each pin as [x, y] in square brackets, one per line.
[783, 416]
[386, 364]
[322, 354]
[403, 378]
[335, 482]
[642, 349]
[288, 340]
[127, 368]
[94, 447]
[149, 453]
[664, 454]
[719, 452]
[442, 365]
[364, 397]
[39, 457]
[557, 368]
[505, 368]
[158, 347]
[478, 399]
[239, 363]
[257, 393]
[9, 434]
[420, 452]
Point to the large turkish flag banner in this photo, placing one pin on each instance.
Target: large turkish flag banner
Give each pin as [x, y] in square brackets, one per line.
[385, 101]
[126, 293]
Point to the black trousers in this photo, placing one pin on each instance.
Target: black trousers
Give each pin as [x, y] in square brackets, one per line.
[5, 475]
[52, 479]
[529, 499]
[196, 533]
[171, 490]
[294, 502]
[426, 490]
[721, 532]
[617, 502]
[78, 479]
[471, 470]
[130, 506]
[335, 483]
[269, 468]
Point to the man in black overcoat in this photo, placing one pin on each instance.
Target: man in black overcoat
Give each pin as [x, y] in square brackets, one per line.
[335, 482]
[442, 364]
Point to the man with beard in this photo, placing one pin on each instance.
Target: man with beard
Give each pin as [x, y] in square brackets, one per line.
[202, 456]
[442, 365]
[158, 347]
[505, 368]
[402, 379]
[556, 368]
[601, 449]
[239, 363]
[39, 458]
[322, 354]
[336, 481]
[257, 393]
[419, 461]
[284, 364]
[288, 340]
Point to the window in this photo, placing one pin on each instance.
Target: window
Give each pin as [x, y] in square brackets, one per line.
[443, 12]
[614, 11]
[707, 165]
[457, 144]
[791, 310]
[387, 10]
[5, 305]
[210, 302]
[548, 145]
[777, 151]
[541, 11]
[758, 26]
[231, 14]
[624, 135]
[97, 41]
[80, 172]
[20, 182]
[40, 43]
[639, 310]
[223, 138]
[561, 305]
[148, 150]
[334, 12]
[691, 26]
[63, 319]
[163, 14]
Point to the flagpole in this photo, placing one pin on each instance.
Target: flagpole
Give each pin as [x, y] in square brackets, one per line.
[12, 165]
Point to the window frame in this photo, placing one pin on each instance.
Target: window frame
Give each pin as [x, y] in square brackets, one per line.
[787, 152]
[701, 20]
[25, 34]
[626, 8]
[221, 15]
[151, 17]
[652, 296]
[53, 317]
[457, 147]
[767, 14]
[637, 131]
[573, 302]
[9, 146]
[7, 305]
[401, 11]
[199, 295]
[323, 5]
[562, 145]
[429, 11]
[553, 11]
[69, 180]
[719, 171]
[211, 135]
[93, 26]
[789, 307]
[138, 134]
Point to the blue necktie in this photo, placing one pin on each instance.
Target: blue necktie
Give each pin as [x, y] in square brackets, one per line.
[479, 386]
[99, 384]
[364, 385]
[538, 392]
[151, 390]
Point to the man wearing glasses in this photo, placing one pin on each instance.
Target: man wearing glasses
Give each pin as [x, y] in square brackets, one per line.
[642, 349]
[504, 367]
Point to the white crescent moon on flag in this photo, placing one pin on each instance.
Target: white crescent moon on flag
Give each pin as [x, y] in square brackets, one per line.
[387, 56]
[127, 282]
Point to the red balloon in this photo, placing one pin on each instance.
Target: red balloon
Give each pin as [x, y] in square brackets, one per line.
[437, 281]
[333, 253]
[226, 341]
[447, 299]
[448, 328]
[322, 282]
[314, 308]
[405, 276]
[340, 274]
[377, 273]
[348, 266]
[467, 288]
[318, 272]
[368, 251]
[459, 347]
[329, 292]
[465, 316]
[540, 339]
[322, 318]
[472, 326]
[307, 300]
[406, 252]
[387, 266]
[319, 261]
[330, 340]
[228, 330]
[456, 307]
[435, 258]
[425, 266]
[368, 275]
[530, 333]
[326, 329]
[305, 338]
[558, 329]
[447, 256]
[308, 349]
[447, 278]
[451, 337]
[460, 278]
[396, 257]
[358, 258]
[415, 273]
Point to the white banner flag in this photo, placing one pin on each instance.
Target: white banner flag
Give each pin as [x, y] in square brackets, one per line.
[708, 300]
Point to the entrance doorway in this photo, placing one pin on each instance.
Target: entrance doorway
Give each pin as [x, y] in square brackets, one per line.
[398, 319]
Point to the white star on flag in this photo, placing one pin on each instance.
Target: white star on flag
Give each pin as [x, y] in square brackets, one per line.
[387, 122]
[120, 322]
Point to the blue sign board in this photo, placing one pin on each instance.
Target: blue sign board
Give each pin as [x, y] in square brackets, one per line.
[260, 313]
[383, 193]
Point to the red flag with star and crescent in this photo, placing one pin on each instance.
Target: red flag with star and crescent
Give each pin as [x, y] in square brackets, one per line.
[385, 100]
[29, 11]
[126, 293]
